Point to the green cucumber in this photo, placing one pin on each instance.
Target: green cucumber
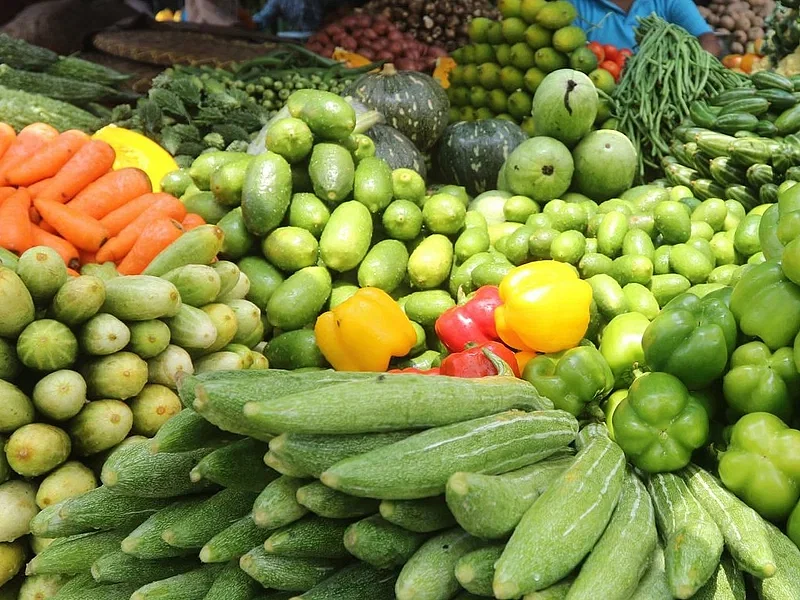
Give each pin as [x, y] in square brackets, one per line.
[192, 329]
[196, 246]
[234, 541]
[298, 301]
[347, 236]
[133, 470]
[198, 284]
[84, 587]
[325, 502]
[384, 266]
[187, 431]
[74, 554]
[313, 454]
[575, 510]
[220, 397]
[785, 584]
[233, 584]
[430, 573]
[332, 172]
[193, 585]
[694, 543]
[727, 583]
[118, 567]
[277, 505]
[475, 571]
[310, 537]
[741, 526]
[491, 506]
[145, 542]
[208, 518]
[422, 516]
[653, 585]
[391, 403]
[381, 544]
[354, 582]
[78, 300]
[141, 298]
[148, 338]
[276, 463]
[286, 573]
[266, 193]
[372, 184]
[420, 465]
[770, 80]
[100, 509]
[38, 587]
[238, 465]
[621, 557]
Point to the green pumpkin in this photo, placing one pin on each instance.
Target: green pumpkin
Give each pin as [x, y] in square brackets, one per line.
[396, 149]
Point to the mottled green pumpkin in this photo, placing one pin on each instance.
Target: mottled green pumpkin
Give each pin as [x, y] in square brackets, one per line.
[396, 149]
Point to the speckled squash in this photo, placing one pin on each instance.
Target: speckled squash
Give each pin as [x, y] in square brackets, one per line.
[413, 103]
[471, 153]
[396, 149]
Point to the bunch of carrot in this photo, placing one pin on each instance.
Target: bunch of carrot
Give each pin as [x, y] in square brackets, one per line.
[59, 190]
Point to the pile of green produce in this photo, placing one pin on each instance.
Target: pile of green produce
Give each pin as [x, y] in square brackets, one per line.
[87, 361]
[499, 72]
[464, 496]
[66, 92]
[669, 71]
[783, 38]
[192, 109]
[741, 144]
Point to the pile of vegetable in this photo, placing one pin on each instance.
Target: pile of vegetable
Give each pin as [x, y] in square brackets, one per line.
[87, 360]
[66, 92]
[374, 38]
[741, 144]
[743, 21]
[192, 109]
[672, 63]
[442, 23]
[500, 70]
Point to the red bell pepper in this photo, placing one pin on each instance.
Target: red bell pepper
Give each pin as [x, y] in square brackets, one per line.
[434, 371]
[471, 322]
[484, 360]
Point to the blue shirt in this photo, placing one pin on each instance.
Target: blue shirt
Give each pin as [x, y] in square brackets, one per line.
[605, 22]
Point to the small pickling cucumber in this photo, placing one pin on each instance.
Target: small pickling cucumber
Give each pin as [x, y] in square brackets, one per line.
[310, 537]
[326, 502]
[74, 554]
[233, 584]
[234, 541]
[381, 544]
[354, 582]
[118, 567]
[425, 515]
[237, 465]
[286, 573]
[145, 542]
[186, 586]
[475, 571]
[277, 505]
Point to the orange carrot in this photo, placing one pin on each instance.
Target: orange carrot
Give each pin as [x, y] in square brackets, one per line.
[28, 141]
[35, 189]
[15, 225]
[72, 272]
[47, 161]
[68, 252]
[191, 220]
[78, 229]
[6, 192]
[7, 137]
[45, 225]
[88, 164]
[112, 191]
[117, 247]
[119, 219]
[156, 236]
[87, 257]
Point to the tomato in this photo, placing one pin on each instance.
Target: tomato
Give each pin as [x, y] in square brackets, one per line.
[623, 57]
[732, 61]
[611, 52]
[748, 61]
[612, 68]
[597, 49]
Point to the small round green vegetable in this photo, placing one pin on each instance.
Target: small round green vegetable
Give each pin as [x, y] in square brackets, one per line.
[67, 481]
[47, 345]
[43, 271]
[37, 448]
[101, 425]
[154, 406]
[60, 395]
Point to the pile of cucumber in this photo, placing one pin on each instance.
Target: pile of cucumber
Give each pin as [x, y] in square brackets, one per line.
[86, 361]
[273, 485]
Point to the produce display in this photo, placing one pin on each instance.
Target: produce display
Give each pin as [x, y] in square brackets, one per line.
[783, 38]
[350, 343]
[743, 21]
[499, 71]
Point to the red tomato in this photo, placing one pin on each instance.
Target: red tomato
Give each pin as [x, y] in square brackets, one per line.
[623, 57]
[597, 49]
[612, 68]
[611, 52]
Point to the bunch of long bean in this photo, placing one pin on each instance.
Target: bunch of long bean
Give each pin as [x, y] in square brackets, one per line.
[669, 71]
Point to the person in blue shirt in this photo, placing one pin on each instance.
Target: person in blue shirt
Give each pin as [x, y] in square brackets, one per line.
[614, 21]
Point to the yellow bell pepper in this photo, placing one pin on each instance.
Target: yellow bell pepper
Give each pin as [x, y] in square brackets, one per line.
[545, 307]
[135, 150]
[364, 332]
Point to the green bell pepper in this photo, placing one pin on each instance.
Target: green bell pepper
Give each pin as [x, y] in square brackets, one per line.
[760, 380]
[660, 423]
[766, 305]
[572, 379]
[692, 339]
[621, 346]
[762, 465]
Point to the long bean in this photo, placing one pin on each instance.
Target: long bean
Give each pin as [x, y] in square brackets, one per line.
[658, 84]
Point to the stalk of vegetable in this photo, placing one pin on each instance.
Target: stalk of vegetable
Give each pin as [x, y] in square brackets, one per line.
[660, 81]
